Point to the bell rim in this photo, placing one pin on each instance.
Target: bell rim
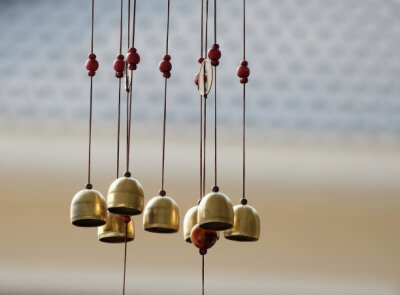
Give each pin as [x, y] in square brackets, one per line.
[113, 238]
[96, 222]
[160, 229]
[241, 238]
[216, 225]
[124, 210]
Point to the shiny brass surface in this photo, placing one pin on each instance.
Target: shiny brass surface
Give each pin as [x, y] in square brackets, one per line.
[246, 227]
[215, 212]
[189, 222]
[161, 215]
[125, 196]
[114, 230]
[88, 209]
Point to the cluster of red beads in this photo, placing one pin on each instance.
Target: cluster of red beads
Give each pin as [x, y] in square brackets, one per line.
[214, 54]
[165, 66]
[92, 65]
[132, 58]
[119, 66]
[243, 72]
[196, 76]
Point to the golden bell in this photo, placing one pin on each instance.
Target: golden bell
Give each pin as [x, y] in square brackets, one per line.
[114, 230]
[215, 211]
[246, 227]
[88, 208]
[125, 196]
[189, 222]
[161, 215]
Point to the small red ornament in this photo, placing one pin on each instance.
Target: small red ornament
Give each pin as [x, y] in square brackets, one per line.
[119, 66]
[203, 239]
[243, 72]
[214, 54]
[196, 78]
[165, 66]
[200, 60]
[133, 58]
[127, 219]
[92, 65]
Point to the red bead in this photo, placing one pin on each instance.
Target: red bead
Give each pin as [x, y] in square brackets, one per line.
[127, 219]
[200, 60]
[203, 251]
[132, 49]
[244, 63]
[244, 80]
[120, 57]
[243, 71]
[91, 73]
[119, 65]
[119, 74]
[133, 58]
[92, 65]
[203, 239]
[165, 66]
[167, 57]
[214, 54]
[132, 67]
[92, 56]
[196, 79]
[166, 75]
[215, 63]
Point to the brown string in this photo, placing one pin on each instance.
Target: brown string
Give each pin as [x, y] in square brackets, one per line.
[119, 126]
[201, 147]
[215, 97]
[165, 104]
[90, 101]
[206, 35]
[202, 274]
[244, 103]
[204, 144]
[134, 23]
[126, 243]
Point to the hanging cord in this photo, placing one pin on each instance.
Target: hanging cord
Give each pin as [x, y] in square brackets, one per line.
[205, 105]
[165, 105]
[128, 99]
[119, 93]
[201, 102]
[244, 201]
[125, 252]
[202, 274]
[89, 185]
[215, 98]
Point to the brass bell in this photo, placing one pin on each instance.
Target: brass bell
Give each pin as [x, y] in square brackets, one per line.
[246, 227]
[114, 230]
[88, 208]
[215, 211]
[189, 222]
[161, 215]
[125, 196]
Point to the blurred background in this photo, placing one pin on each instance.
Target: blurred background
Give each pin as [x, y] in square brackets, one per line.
[323, 158]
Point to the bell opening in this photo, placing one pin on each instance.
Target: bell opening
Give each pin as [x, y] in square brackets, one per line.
[115, 240]
[89, 222]
[124, 211]
[161, 230]
[189, 240]
[241, 238]
[216, 226]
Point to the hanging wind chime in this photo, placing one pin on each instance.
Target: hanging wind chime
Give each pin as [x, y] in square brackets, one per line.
[161, 214]
[214, 212]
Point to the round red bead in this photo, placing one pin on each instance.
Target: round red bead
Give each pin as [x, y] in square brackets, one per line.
[244, 63]
[243, 71]
[203, 239]
[92, 56]
[244, 80]
[200, 60]
[119, 74]
[215, 63]
[214, 54]
[165, 66]
[132, 49]
[166, 75]
[133, 58]
[132, 67]
[120, 57]
[92, 65]
[91, 73]
[119, 65]
[196, 79]
[127, 219]
[203, 251]
[167, 57]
